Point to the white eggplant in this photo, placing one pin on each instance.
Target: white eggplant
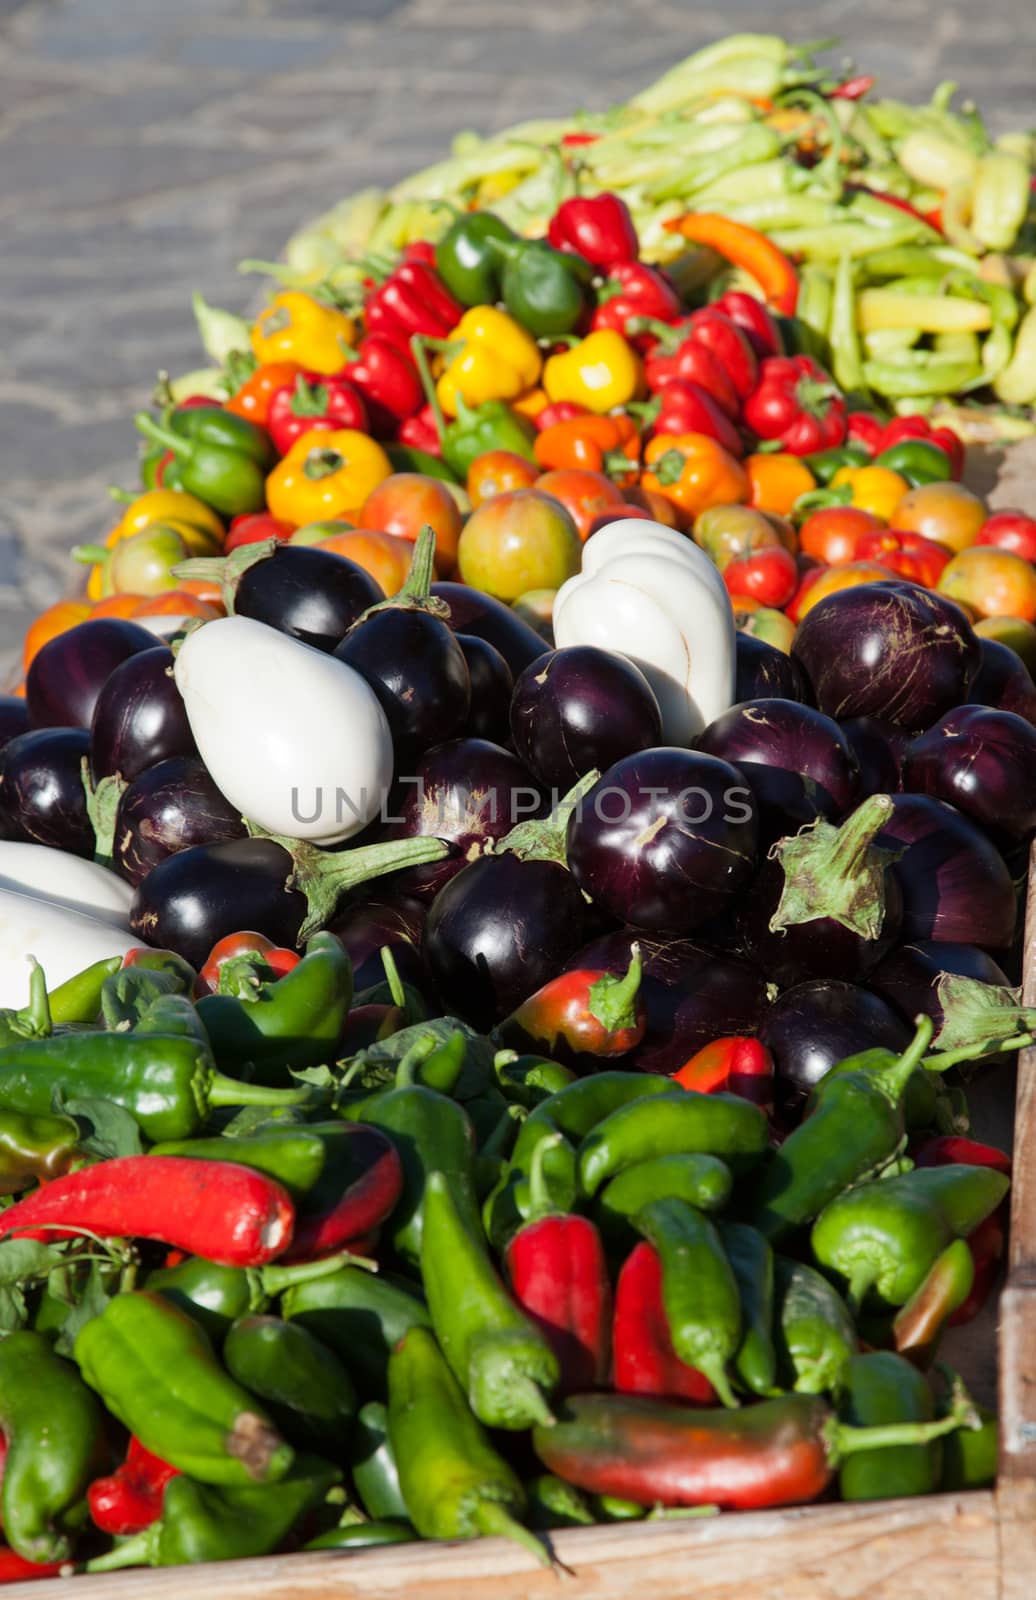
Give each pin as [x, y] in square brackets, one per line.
[63, 942]
[652, 594]
[64, 880]
[294, 738]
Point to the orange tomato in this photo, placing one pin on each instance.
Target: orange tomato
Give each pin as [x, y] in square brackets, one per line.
[656, 505]
[996, 583]
[123, 604]
[58, 618]
[583, 495]
[498, 471]
[177, 603]
[945, 512]
[776, 480]
[833, 579]
[385, 557]
[729, 533]
[831, 535]
[405, 502]
[202, 589]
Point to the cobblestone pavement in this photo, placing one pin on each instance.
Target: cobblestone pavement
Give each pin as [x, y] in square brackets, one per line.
[146, 146]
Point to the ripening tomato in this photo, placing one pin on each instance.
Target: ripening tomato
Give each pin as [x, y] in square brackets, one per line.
[405, 502]
[1010, 530]
[583, 494]
[833, 534]
[177, 603]
[831, 579]
[385, 557]
[767, 575]
[57, 618]
[945, 512]
[908, 555]
[726, 533]
[763, 622]
[1015, 632]
[497, 471]
[994, 582]
[518, 541]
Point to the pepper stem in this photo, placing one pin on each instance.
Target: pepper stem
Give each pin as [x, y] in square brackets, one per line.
[224, 1091]
[406, 1072]
[491, 1518]
[613, 1000]
[495, 1147]
[944, 1059]
[419, 350]
[227, 571]
[136, 1551]
[669, 338]
[102, 805]
[275, 1279]
[716, 1372]
[843, 1440]
[145, 423]
[893, 1079]
[392, 978]
[540, 1201]
[836, 872]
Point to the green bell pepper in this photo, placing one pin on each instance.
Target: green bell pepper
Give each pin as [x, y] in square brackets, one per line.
[466, 261]
[223, 465]
[543, 289]
[491, 426]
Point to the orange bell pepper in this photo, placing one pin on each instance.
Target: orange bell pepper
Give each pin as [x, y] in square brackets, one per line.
[694, 472]
[748, 249]
[252, 400]
[594, 443]
[777, 479]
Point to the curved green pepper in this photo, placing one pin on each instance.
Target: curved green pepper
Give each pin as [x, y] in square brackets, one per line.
[883, 1387]
[306, 1389]
[703, 1181]
[374, 1468]
[215, 1296]
[78, 999]
[699, 1289]
[751, 1261]
[529, 1080]
[465, 260]
[816, 1340]
[721, 1125]
[296, 1157]
[360, 1316]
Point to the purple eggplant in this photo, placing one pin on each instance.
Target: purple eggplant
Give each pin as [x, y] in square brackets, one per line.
[418, 672]
[811, 1027]
[1003, 681]
[469, 792]
[665, 839]
[691, 995]
[889, 650]
[42, 797]
[766, 673]
[139, 718]
[954, 881]
[878, 748]
[984, 763]
[492, 684]
[69, 672]
[909, 978]
[581, 708]
[500, 930]
[473, 612]
[310, 593]
[370, 926]
[797, 762]
[199, 895]
[14, 718]
[825, 903]
[172, 806]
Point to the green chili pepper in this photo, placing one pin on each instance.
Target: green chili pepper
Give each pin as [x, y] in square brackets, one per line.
[201, 1522]
[885, 1237]
[294, 1156]
[360, 1316]
[970, 1457]
[34, 1147]
[751, 1261]
[553, 1503]
[500, 1356]
[155, 1370]
[529, 1080]
[375, 1471]
[53, 1428]
[78, 999]
[454, 1483]
[826, 463]
[364, 1536]
[34, 1020]
[703, 1181]
[544, 289]
[918, 1327]
[465, 260]
[293, 1022]
[816, 1339]
[922, 374]
[699, 1289]
[168, 1084]
[722, 1125]
[408, 458]
[216, 1296]
[227, 475]
[490, 426]
[882, 1387]
[305, 1387]
[916, 460]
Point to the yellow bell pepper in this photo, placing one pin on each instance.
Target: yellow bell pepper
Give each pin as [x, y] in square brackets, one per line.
[296, 327]
[498, 361]
[601, 372]
[878, 490]
[326, 475]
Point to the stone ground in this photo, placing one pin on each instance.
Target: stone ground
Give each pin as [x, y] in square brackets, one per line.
[147, 145]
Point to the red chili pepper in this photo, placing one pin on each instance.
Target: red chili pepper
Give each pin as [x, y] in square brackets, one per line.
[386, 376]
[630, 290]
[798, 404]
[644, 1360]
[576, 139]
[227, 1213]
[413, 299]
[932, 219]
[854, 88]
[769, 576]
[599, 228]
[586, 1012]
[909, 554]
[988, 1241]
[735, 1065]
[130, 1498]
[865, 430]
[755, 322]
[314, 402]
[276, 959]
[686, 407]
[254, 528]
[559, 1274]
[368, 1175]
[560, 411]
[421, 432]
[15, 1569]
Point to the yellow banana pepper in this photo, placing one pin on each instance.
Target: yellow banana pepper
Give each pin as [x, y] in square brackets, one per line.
[601, 372]
[498, 361]
[325, 475]
[297, 327]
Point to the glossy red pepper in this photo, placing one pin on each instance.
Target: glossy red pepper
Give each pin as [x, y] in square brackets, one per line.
[863, 428]
[751, 316]
[386, 376]
[227, 1213]
[560, 411]
[130, 1498]
[420, 250]
[644, 1361]
[797, 404]
[260, 950]
[989, 1240]
[908, 554]
[559, 1274]
[739, 1064]
[574, 140]
[729, 345]
[586, 1012]
[15, 1569]
[368, 1178]
[598, 228]
[686, 407]
[253, 528]
[633, 289]
[314, 403]
[421, 432]
[413, 299]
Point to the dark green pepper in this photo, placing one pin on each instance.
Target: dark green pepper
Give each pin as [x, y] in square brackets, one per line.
[543, 289]
[970, 1457]
[34, 1147]
[490, 426]
[374, 1468]
[699, 1289]
[826, 463]
[465, 260]
[364, 1535]
[408, 458]
[721, 1125]
[216, 425]
[224, 471]
[917, 460]
[553, 1503]
[816, 1340]
[34, 1020]
[882, 1387]
[751, 1261]
[529, 1080]
[215, 1296]
[307, 1391]
[294, 1156]
[703, 1181]
[359, 1315]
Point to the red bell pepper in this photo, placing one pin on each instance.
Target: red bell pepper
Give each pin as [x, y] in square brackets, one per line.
[739, 1064]
[685, 360]
[988, 1241]
[755, 322]
[797, 404]
[631, 290]
[130, 1498]
[599, 228]
[412, 299]
[420, 250]
[729, 345]
[313, 402]
[254, 528]
[644, 1360]
[560, 411]
[586, 1012]
[386, 376]
[684, 407]
[769, 576]
[559, 1274]
[421, 432]
[864, 429]
[908, 554]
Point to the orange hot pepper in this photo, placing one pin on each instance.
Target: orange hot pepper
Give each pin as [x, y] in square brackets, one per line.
[694, 472]
[748, 249]
[594, 443]
[253, 398]
[777, 480]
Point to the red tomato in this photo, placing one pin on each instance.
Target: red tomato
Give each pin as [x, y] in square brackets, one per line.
[403, 503]
[833, 535]
[252, 529]
[277, 960]
[910, 555]
[1010, 530]
[769, 575]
